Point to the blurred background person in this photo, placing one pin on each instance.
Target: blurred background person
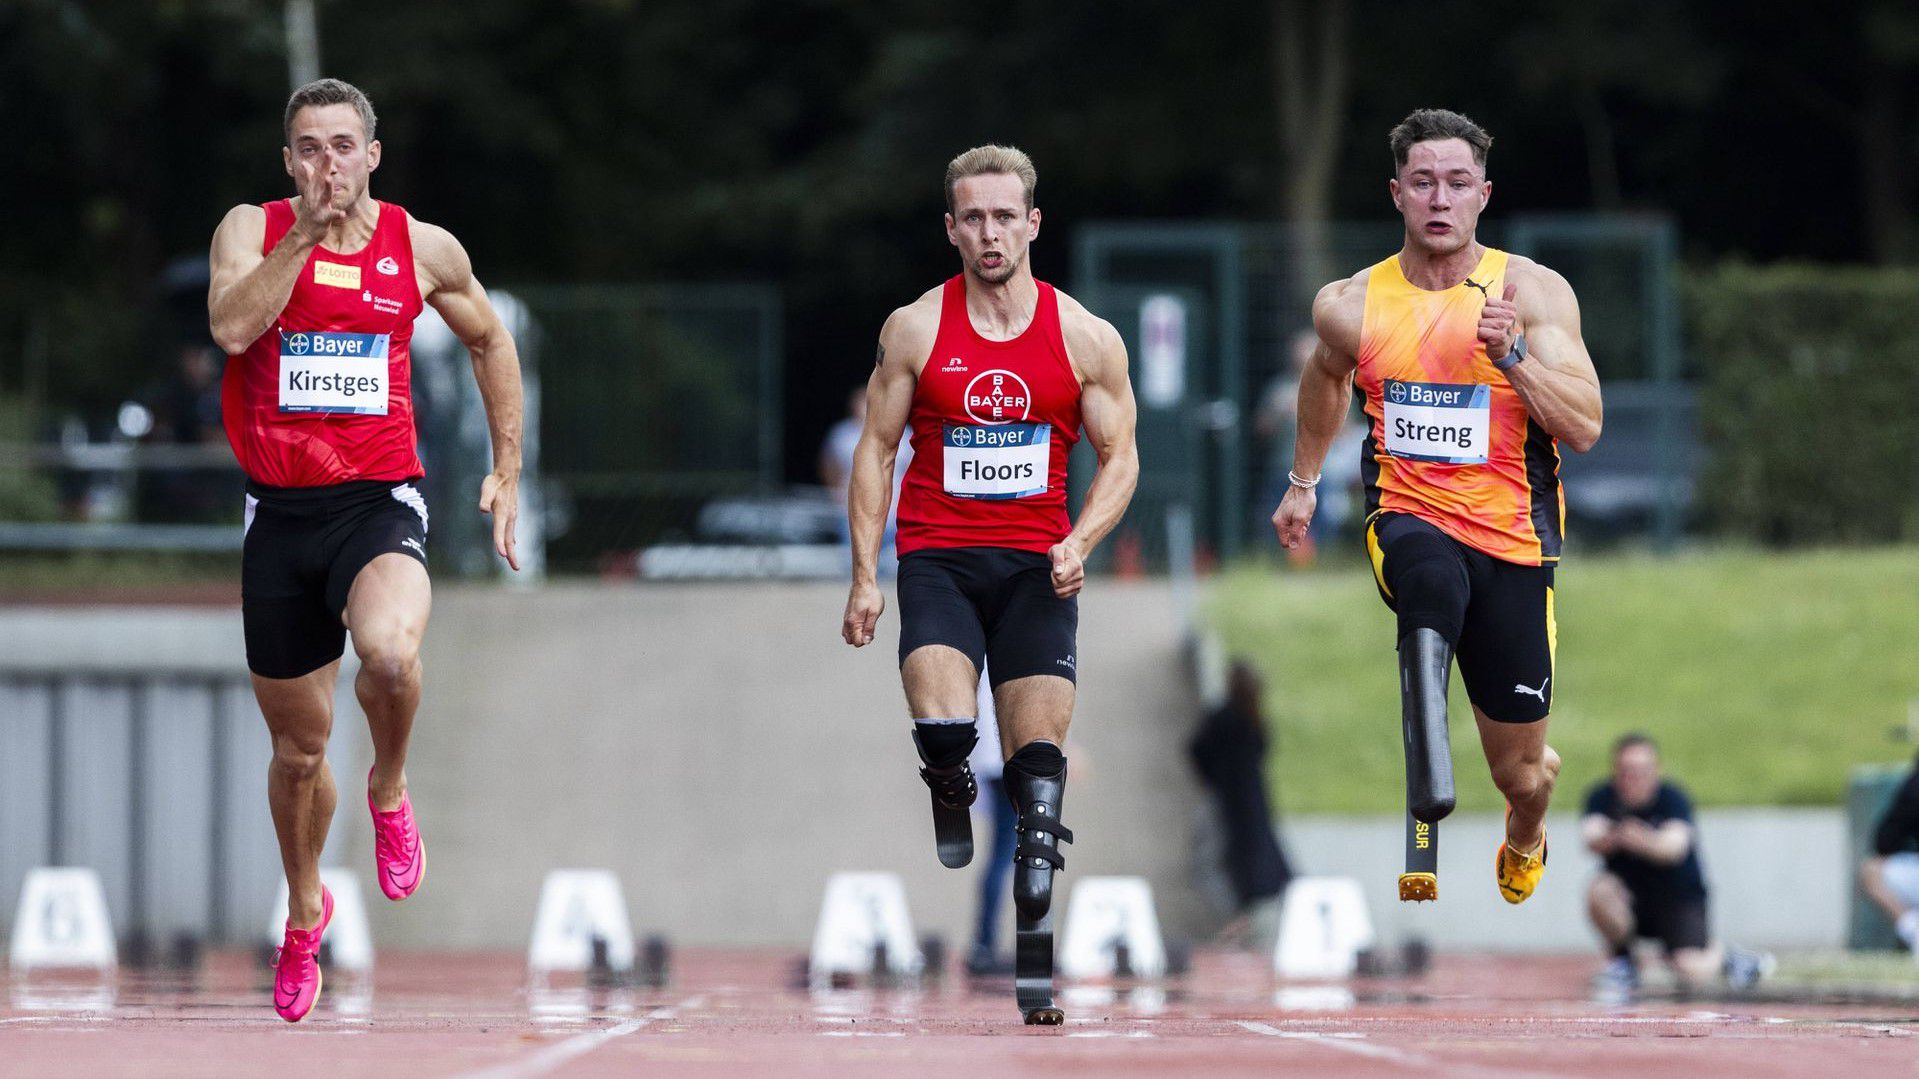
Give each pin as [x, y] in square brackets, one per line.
[1652, 886]
[186, 412]
[1890, 875]
[1229, 752]
[836, 469]
[1002, 836]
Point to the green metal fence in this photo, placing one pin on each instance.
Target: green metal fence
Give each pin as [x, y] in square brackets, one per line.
[1246, 290]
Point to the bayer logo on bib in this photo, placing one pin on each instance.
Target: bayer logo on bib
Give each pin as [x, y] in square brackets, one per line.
[1438, 421]
[1001, 461]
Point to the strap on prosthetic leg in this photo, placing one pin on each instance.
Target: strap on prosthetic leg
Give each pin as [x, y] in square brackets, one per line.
[1036, 783]
[943, 748]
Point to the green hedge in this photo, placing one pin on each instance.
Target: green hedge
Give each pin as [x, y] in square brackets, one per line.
[1810, 401]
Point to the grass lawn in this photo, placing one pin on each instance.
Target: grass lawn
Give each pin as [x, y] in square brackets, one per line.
[1764, 676]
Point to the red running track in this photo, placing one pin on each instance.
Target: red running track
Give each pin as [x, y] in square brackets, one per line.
[731, 1013]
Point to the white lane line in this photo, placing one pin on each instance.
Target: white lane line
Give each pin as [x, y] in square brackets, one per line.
[1348, 1043]
[552, 1056]
[1355, 1043]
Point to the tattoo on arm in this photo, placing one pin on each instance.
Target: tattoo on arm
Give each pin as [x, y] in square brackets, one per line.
[880, 357]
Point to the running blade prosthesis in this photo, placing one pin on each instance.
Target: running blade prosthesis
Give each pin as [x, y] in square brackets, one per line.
[1034, 861]
[1425, 664]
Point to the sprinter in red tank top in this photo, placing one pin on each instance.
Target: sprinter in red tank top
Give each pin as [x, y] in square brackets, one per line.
[996, 373]
[313, 299]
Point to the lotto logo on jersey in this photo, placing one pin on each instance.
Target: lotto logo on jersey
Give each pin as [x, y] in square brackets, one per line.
[336, 274]
[334, 372]
[998, 397]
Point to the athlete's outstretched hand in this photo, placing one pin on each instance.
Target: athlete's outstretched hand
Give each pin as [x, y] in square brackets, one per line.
[500, 497]
[1295, 512]
[1069, 570]
[317, 211]
[863, 607]
[1497, 323]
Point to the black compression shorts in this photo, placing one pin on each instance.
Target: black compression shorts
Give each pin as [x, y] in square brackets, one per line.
[1674, 921]
[1497, 614]
[304, 546]
[994, 604]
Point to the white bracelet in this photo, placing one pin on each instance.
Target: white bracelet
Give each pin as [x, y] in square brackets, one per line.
[1304, 485]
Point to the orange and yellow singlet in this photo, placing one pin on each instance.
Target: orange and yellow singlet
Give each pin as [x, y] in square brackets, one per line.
[1451, 442]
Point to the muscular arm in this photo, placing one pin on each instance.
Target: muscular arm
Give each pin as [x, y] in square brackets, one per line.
[248, 291]
[449, 285]
[889, 399]
[1556, 380]
[1325, 387]
[1110, 415]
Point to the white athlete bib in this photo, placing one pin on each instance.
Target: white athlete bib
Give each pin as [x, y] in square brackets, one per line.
[998, 461]
[1438, 421]
[333, 372]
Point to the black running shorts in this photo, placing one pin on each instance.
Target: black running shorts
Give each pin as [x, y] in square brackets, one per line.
[304, 546]
[994, 604]
[1675, 921]
[1498, 614]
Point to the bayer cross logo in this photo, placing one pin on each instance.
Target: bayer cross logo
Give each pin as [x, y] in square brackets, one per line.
[297, 344]
[962, 436]
[1397, 391]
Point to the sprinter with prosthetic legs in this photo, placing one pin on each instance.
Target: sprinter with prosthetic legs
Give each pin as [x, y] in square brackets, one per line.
[1474, 373]
[996, 374]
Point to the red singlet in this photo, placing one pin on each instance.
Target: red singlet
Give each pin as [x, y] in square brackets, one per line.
[326, 394]
[992, 423]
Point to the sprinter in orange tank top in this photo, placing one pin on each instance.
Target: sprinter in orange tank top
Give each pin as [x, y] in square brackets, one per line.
[313, 298]
[1473, 372]
[995, 373]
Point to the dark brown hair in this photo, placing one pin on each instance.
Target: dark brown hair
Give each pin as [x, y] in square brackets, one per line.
[1430, 125]
[329, 92]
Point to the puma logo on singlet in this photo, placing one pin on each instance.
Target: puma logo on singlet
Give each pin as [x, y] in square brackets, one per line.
[1540, 692]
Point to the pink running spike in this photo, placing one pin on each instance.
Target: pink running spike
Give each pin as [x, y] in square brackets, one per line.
[296, 973]
[399, 857]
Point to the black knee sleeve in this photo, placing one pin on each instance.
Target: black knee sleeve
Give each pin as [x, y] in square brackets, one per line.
[945, 745]
[1430, 586]
[1425, 668]
[1041, 760]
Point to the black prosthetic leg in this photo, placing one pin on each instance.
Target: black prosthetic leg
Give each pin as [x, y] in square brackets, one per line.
[954, 790]
[1036, 795]
[1425, 666]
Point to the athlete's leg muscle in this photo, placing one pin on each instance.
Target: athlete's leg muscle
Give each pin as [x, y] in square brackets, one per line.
[386, 612]
[1033, 709]
[1697, 967]
[1524, 769]
[1610, 907]
[941, 683]
[299, 715]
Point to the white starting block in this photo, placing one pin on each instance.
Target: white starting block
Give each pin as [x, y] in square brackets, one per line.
[1105, 915]
[62, 922]
[1323, 927]
[578, 907]
[348, 939]
[861, 912]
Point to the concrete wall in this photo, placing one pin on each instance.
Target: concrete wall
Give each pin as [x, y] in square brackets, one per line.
[717, 745]
[1778, 878]
[724, 751]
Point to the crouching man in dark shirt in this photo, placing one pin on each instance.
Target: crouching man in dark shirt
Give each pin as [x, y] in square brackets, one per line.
[1890, 875]
[1652, 886]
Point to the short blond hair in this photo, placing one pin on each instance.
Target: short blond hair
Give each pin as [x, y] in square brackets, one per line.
[987, 160]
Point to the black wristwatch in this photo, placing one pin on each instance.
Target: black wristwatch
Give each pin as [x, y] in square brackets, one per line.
[1512, 358]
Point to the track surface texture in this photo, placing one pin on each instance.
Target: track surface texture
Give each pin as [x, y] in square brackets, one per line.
[728, 1013]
